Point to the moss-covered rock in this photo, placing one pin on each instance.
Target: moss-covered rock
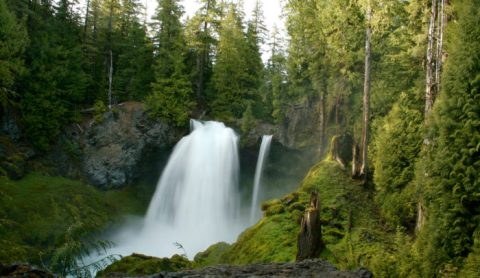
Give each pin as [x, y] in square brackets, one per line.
[212, 255]
[138, 264]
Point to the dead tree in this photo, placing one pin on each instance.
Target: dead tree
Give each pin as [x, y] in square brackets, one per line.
[309, 241]
[366, 95]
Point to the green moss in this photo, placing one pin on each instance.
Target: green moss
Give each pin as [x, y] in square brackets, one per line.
[137, 264]
[40, 214]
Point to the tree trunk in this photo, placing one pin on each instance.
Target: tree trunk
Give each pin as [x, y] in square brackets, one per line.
[430, 79]
[309, 241]
[439, 55]
[337, 114]
[366, 95]
[322, 123]
[420, 215]
[110, 77]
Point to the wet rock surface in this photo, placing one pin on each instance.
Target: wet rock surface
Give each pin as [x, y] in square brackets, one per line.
[306, 268]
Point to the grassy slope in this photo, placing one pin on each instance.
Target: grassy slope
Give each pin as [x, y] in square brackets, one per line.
[39, 214]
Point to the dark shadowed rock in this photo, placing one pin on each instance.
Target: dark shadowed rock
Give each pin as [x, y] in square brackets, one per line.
[306, 268]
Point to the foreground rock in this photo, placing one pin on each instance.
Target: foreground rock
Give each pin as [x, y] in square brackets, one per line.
[23, 270]
[306, 268]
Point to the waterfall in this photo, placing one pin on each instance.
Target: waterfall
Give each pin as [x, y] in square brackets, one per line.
[264, 148]
[196, 203]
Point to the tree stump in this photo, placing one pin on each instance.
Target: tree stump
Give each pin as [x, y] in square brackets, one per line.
[309, 241]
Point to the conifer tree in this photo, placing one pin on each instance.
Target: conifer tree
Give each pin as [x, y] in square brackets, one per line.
[171, 98]
[13, 39]
[134, 72]
[230, 94]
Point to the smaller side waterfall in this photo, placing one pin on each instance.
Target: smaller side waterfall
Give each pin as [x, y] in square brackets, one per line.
[264, 148]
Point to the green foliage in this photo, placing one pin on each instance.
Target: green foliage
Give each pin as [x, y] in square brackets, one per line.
[397, 145]
[471, 268]
[137, 264]
[99, 108]
[452, 160]
[247, 120]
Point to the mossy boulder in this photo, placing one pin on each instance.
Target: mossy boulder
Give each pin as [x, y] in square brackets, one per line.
[212, 255]
[138, 264]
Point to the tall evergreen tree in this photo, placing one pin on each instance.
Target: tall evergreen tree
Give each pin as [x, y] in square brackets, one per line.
[13, 39]
[171, 97]
[134, 59]
[229, 97]
[276, 78]
[255, 37]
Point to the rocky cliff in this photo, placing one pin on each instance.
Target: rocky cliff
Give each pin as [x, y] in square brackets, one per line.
[114, 146]
[108, 150]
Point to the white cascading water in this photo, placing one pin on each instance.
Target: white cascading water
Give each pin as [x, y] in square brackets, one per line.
[196, 200]
[264, 148]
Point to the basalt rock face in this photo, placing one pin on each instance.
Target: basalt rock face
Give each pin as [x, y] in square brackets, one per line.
[306, 268]
[113, 148]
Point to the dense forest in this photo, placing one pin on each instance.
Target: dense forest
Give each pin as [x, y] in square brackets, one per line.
[399, 79]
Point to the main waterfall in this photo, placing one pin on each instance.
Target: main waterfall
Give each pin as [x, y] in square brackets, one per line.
[196, 203]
